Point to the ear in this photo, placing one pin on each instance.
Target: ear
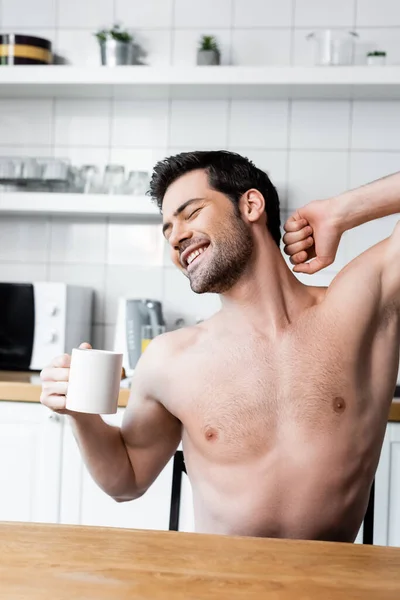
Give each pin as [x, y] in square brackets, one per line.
[252, 205]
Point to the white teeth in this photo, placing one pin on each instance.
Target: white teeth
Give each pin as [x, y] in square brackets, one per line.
[194, 255]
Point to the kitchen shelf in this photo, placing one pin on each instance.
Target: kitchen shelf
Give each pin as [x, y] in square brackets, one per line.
[78, 204]
[362, 82]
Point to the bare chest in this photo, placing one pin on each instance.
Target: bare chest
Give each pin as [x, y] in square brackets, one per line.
[246, 395]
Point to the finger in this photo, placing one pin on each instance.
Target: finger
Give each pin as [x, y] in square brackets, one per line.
[54, 402]
[312, 267]
[299, 246]
[297, 236]
[295, 225]
[300, 257]
[54, 387]
[64, 360]
[86, 346]
[54, 374]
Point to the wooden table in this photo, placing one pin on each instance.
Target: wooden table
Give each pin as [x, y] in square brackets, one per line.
[60, 562]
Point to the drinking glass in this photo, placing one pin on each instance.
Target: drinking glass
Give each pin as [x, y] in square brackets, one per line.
[137, 183]
[113, 180]
[89, 177]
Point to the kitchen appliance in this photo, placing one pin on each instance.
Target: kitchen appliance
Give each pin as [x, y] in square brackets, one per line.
[39, 321]
[16, 49]
[133, 314]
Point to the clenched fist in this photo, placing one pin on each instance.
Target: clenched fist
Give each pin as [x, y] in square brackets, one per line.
[55, 382]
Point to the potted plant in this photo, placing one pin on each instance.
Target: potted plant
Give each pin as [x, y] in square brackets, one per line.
[116, 46]
[377, 57]
[208, 52]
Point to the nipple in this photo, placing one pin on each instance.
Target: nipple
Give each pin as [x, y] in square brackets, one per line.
[339, 404]
[210, 433]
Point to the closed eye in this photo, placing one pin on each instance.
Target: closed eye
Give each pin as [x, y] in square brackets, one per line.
[194, 212]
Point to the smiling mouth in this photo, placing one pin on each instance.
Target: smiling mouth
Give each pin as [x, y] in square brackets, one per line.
[194, 256]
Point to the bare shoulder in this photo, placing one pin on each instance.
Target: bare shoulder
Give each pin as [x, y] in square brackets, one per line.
[163, 354]
[170, 345]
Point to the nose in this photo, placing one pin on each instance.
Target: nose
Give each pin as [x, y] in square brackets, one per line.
[178, 235]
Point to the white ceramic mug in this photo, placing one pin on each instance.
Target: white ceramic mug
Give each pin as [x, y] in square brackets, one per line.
[94, 381]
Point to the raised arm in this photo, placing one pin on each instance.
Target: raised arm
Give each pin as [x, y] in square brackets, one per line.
[314, 231]
[124, 461]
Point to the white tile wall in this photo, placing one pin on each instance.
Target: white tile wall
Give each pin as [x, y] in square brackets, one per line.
[22, 272]
[207, 13]
[75, 13]
[157, 46]
[324, 13]
[269, 13]
[139, 14]
[323, 125]
[140, 124]
[316, 175]
[371, 233]
[25, 122]
[134, 244]
[23, 239]
[199, 123]
[138, 159]
[259, 124]
[368, 166]
[78, 47]
[376, 126]
[261, 46]
[310, 149]
[20, 13]
[82, 122]
[80, 241]
[378, 13]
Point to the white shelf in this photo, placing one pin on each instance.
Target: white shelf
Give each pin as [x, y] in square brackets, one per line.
[78, 204]
[201, 82]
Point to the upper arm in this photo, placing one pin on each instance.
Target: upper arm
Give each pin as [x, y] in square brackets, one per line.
[150, 432]
[391, 268]
[370, 283]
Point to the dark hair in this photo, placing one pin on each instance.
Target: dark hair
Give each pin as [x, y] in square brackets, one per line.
[228, 173]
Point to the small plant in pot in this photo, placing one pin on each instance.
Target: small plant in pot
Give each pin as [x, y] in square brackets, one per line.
[116, 46]
[208, 52]
[377, 57]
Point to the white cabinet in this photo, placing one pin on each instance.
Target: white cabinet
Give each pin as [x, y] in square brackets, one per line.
[30, 462]
[84, 503]
[387, 490]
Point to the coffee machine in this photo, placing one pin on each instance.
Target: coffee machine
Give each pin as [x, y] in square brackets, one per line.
[133, 314]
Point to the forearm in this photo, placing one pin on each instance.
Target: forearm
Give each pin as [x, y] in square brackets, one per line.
[372, 201]
[105, 455]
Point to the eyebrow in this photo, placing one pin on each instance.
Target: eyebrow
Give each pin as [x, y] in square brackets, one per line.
[178, 211]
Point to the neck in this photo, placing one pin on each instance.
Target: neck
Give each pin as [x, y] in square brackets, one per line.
[267, 295]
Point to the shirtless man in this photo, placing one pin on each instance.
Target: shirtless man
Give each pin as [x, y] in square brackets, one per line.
[280, 399]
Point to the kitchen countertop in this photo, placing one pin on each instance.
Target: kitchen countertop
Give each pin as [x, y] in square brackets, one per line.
[25, 387]
[63, 561]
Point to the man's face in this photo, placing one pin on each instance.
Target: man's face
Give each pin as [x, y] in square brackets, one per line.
[209, 241]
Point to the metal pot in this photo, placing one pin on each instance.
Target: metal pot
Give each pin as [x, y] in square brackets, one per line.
[114, 53]
[207, 57]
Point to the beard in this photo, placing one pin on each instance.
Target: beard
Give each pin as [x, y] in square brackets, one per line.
[229, 257]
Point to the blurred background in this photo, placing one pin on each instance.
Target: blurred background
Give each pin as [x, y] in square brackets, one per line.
[310, 148]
